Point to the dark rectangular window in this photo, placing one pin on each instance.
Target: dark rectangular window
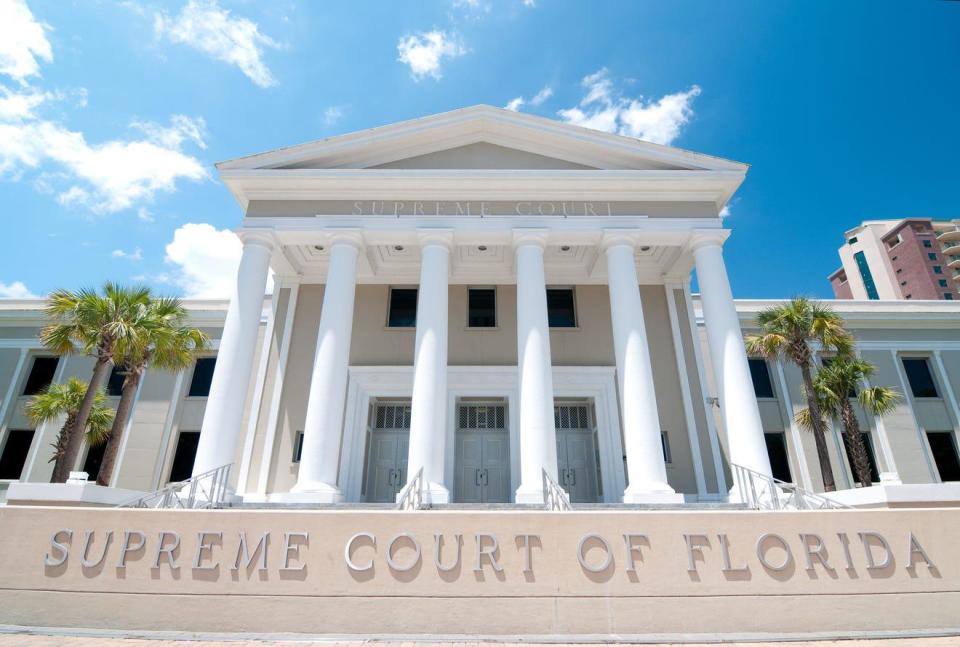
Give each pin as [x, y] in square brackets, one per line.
[932, 256]
[482, 308]
[852, 240]
[115, 383]
[937, 269]
[202, 377]
[871, 458]
[665, 445]
[561, 312]
[403, 308]
[777, 451]
[927, 243]
[41, 374]
[947, 296]
[91, 464]
[866, 275]
[760, 372]
[942, 282]
[15, 452]
[919, 377]
[183, 458]
[298, 447]
[944, 450]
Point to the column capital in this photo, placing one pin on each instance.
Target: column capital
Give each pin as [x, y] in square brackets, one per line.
[440, 236]
[263, 238]
[344, 236]
[523, 236]
[614, 237]
[707, 237]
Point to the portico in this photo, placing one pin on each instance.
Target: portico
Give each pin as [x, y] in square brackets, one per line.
[546, 219]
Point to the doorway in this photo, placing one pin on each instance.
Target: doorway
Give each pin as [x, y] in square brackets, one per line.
[388, 441]
[578, 467]
[482, 454]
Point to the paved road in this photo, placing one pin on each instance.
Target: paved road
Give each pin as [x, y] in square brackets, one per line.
[23, 640]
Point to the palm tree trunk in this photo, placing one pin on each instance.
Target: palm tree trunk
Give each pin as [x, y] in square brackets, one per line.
[819, 435]
[75, 437]
[60, 447]
[124, 409]
[855, 446]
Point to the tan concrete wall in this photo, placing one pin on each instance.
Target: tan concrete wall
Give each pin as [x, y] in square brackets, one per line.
[552, 595]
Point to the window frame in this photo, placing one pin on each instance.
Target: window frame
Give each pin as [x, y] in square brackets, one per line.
[496, 313]
[33, 364]
[933, 380]
[193, 372]
[390, 291]
[766, 365]
[573, 300]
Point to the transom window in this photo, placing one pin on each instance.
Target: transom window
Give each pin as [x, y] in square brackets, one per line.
[202, 377]
[402, 312]
[41, 374]
[482, 308]
[561, 309]
[927, 244]
[760, 372]
[115, 383]
[919, 377]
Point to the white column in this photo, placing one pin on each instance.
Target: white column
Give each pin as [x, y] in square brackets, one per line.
[428, 416]
[738, 403]
[323, 428]
[221, 429]
[538, 437]
[646, 470]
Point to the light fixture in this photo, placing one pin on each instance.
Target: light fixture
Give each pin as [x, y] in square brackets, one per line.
[482, 248]
[319, 248]
[645, 248]
[398, 248]
[565, 248]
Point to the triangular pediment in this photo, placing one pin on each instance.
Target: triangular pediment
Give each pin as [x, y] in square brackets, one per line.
[481, 138]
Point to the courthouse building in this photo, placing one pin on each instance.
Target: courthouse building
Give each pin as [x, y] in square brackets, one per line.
[481, 297]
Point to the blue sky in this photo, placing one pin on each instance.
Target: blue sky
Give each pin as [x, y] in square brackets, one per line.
[112, 114]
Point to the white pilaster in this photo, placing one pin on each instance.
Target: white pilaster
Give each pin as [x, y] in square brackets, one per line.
[223, 416]
[538, 436]
[738, 403]
[646, 470]
[322, 430]
[428, 415]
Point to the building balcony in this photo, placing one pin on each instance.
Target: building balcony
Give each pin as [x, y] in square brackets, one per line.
[953, 261]
[951, 247]
[949, 235]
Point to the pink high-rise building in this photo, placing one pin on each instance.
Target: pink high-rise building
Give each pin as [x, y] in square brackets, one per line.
[913, 258]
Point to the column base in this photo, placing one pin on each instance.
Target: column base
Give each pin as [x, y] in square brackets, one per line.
[314, 493]
[652, 493]
[529, 496]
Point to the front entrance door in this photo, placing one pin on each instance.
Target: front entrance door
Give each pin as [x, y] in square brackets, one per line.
[482, 454]
[388, 442]
[577, 453]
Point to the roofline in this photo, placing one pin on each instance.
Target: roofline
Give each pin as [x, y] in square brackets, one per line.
[288, 154]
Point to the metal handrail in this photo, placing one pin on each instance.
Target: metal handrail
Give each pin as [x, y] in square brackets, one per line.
[411, 496]
[554, 497]
[762, 492]
[203, 491]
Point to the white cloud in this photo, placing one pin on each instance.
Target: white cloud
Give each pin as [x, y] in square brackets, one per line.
[136, 255]
[518, 102]
[15, 290]
[22, 41]
[725, 212]
[424, 52]
[144, 214]
[204, 25]
[603, 108]
[205, 261]
[332, 115]
[105, 177]
[529, 3]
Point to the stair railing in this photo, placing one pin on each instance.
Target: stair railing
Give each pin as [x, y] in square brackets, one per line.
[555, 498]
[762, 492]
[204, 491]
[411, 496]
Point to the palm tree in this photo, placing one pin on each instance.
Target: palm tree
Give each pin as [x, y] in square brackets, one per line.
[66, 399]
[158, 337]
[87, 322]
[788, 330]
[836, 384]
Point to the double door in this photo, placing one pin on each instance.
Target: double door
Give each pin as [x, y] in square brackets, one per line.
[389, 442]
[577, 470]
[482, 454]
